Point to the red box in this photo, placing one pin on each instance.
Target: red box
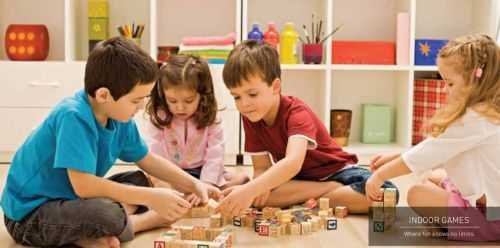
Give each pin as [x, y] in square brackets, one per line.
[428, 96]
[27, 42]
[364, 52]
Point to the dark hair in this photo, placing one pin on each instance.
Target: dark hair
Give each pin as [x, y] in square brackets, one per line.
[118, 65]
[251, 58]
[186, 71]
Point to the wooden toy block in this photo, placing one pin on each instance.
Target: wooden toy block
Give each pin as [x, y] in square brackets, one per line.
[215, 220]
[186, 233]
[305, 228]
[227, 220]
[212, 233]
[377, 204]
[324, 203]
[315, 224]
[294, 228]
[256, 224]
[197, 244]
[340, 211]
[171, 234]
[285, 218]
[201, 236]
[159, 244]
[264, 229]
[390, 197]
[299, 217]
[274, 230]
[390, 193]
[378, 214]
[199, 233]
[331, 223]
[249, 220]
[237, 221]
[283, 229]
[389, 217]
[330, 212]
[268, 212]
[323, 213]
[200, 212]
[378, 226]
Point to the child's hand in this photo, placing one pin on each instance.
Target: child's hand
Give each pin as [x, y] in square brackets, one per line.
[372, 187]
[236, 200]
[203, 191]
[261, 200]
[193, 199]
[168, 203]
[382, 159]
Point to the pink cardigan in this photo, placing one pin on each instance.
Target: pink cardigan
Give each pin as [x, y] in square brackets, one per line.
[189, 147]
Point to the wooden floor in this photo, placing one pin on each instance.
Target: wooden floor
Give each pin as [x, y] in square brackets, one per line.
[352, 231]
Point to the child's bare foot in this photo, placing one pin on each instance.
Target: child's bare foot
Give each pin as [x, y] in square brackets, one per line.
[104, 242]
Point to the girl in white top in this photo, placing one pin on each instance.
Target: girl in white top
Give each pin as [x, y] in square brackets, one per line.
[465, 138]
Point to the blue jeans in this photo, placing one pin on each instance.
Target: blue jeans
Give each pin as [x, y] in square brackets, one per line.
[356, 178]
[63, 222]
[194, 172]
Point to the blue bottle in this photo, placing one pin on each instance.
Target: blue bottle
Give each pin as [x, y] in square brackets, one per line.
[255, 33]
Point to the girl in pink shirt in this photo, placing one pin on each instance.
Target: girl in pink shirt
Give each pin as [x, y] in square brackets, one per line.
[184, 126]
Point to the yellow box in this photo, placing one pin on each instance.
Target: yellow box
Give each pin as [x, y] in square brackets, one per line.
[98, 8]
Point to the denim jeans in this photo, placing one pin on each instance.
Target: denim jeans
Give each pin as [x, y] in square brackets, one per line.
[194, 172]
[356, 178]
[63, 222]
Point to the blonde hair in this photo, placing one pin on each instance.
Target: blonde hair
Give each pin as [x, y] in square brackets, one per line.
[477, 59]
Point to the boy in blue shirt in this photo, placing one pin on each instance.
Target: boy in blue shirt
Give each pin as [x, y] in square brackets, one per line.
[55, 192]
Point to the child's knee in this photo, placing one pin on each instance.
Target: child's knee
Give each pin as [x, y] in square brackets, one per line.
[106, 214]
[414, 194]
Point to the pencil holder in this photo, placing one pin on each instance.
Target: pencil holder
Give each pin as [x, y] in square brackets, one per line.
[312, 53]
[340, 125]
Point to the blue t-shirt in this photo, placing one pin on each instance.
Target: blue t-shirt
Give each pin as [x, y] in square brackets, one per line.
[69, 138]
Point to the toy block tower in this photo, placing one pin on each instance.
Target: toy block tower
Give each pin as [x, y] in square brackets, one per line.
[98, 21]
[383, 212]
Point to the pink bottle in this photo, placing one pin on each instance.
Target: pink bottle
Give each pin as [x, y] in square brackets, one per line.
[272, 36]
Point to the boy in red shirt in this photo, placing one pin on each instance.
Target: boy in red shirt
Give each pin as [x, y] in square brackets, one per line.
[293, 156]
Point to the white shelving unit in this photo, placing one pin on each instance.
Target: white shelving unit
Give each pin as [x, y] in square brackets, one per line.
[30, 89]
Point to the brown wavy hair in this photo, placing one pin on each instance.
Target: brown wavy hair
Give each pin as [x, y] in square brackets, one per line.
[185, 71]
[467, 54]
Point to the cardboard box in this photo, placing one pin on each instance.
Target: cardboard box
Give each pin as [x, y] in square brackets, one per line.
[364, 52]
[377, 124]
[426, 50]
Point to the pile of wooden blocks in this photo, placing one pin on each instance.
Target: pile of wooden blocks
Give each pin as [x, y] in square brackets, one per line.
[204, 211]
[298, 220]
[383, 212]
[197, 237]
[271, 222]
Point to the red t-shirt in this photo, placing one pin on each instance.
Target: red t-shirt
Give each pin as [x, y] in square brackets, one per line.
[323, 157]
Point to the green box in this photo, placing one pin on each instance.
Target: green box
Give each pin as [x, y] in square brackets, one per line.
[98, 8]
[98, 28]
[377, 124]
